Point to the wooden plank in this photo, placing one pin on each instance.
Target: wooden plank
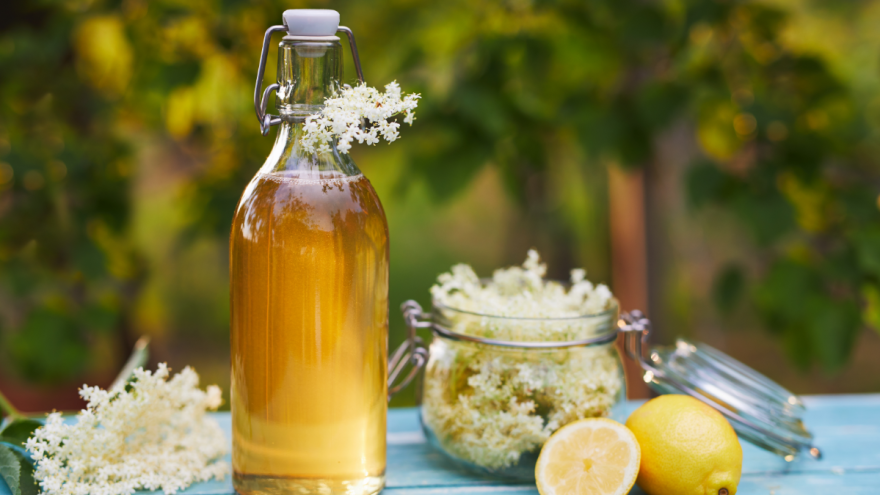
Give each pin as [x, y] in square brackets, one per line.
[796, 484]
[846, 427]
[466, 490]
[810, 484]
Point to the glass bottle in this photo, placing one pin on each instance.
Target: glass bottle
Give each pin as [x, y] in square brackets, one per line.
[309, 297]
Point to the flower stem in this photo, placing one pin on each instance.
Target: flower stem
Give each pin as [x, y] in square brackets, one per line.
[7, 408]
[137, 360]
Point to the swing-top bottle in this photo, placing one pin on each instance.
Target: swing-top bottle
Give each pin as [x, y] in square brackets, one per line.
[309, 294]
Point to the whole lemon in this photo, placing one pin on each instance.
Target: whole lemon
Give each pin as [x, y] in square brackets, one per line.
[688, 448]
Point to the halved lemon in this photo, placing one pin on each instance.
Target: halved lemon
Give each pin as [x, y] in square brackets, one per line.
[596, 456]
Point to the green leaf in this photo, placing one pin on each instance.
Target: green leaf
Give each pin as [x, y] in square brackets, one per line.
[100, 317]
[659, 103]
[868, 248]
[10, 469]
[705, 183]
[832, 327]
[780, 296]
[49, 346]
[447, 173]
[871, 311]
[17, 472]
[768, 216]
[798, 348]
[728, 287]
[18, 431]
[26, 481]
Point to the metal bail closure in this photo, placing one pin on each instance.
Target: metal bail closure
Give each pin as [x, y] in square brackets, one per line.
[759, 409]
[411, 353]
[303, 24]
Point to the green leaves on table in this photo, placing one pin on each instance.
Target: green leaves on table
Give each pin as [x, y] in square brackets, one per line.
[16, 470]
[17, 432]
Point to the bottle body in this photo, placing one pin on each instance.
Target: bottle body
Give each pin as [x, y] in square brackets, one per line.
[309, 305]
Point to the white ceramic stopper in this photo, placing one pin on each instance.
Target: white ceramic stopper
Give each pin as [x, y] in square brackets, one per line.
[311, 22]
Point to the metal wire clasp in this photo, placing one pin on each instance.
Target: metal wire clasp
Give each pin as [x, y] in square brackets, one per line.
[636, 328]
[261, 96]
[412, 351]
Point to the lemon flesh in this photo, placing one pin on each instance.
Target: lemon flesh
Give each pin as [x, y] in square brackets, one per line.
[688, 448]
[591, 456]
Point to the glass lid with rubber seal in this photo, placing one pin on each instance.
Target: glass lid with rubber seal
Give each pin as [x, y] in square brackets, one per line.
[760, 410]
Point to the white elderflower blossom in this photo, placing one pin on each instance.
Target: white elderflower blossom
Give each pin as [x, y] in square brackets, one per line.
[490, 405]
[522, 292]
[153, 434]
[343, 114]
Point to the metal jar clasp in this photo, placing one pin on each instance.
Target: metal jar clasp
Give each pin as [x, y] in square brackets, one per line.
[411, 353]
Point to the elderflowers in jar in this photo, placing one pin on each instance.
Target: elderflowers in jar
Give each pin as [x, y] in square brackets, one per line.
[513, 359]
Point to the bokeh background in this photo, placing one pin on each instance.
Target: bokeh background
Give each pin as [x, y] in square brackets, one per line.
[716, 162]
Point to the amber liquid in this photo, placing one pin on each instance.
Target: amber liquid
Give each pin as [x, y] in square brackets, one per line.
[309, 275]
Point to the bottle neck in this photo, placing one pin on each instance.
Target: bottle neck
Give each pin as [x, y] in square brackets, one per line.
[289, 156]
[309, 72]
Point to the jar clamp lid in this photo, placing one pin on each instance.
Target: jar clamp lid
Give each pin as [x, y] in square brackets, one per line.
[760, 410]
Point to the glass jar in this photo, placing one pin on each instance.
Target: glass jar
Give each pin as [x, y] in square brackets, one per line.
[495, 388]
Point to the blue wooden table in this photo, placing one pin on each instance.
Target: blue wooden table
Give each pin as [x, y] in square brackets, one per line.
[846, 429]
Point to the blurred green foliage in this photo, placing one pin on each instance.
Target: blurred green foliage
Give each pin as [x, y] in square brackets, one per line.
[788, 147]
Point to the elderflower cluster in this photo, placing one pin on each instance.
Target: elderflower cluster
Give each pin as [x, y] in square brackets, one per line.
[522, 292]
[153, 434]
[343, 114]
[491, 405]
